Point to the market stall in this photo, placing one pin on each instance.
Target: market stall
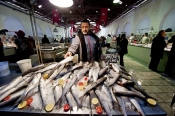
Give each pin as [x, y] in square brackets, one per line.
[62, 88]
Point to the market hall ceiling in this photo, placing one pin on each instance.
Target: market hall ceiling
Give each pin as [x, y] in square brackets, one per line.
[90, 9]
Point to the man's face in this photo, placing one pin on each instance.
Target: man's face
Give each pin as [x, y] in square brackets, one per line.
[164, 34]
[85, 28]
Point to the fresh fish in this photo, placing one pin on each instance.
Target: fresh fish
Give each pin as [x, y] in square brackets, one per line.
[95, 73]
[85, 102]
[47, 93]
[82, 72]
[11, 84]
[32, 92]
[36, 68]
[32, 84]
[69, 85]
[103, 71]
[122, 105]
[75, 94]
[116, 67]
[104, 103]
[50, 67]
[113, 80]
[66, 60]
[91, 86]
[119, 90]
[61, 102]
[37, 102]
[72, 102]
[103, 64]
[78, 65]
[13, 97]
[2, 87]
[66, 76]
[95, 64]
[57, 92]
[136, 104]
[23, 83]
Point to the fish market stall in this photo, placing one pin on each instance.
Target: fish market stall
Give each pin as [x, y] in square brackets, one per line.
[67, 88]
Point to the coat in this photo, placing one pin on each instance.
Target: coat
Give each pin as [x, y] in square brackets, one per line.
[123, 46]
[158, 46]
[79, 46]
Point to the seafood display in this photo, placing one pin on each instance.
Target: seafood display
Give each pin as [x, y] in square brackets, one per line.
[77, 88]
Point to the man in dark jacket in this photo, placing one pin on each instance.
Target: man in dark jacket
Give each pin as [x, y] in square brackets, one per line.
[86, 44]
[45, 40]
[171, 58]
[123, 46]
[157, 50]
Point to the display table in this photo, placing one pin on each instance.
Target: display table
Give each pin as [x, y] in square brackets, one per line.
[9, 51]
[51, 54]
[143, 54]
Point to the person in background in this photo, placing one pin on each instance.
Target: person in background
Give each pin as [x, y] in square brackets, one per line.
[131, 38]
[144, 39]
[171, 58]
[45, 40]
[86, 44]
[1, 49]
[108, 41]
[157, 50]
[123, 44]
[118, 40]
[24, 51]
[70, 40]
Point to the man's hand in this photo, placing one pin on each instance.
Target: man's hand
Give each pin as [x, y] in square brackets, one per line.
[68, 54]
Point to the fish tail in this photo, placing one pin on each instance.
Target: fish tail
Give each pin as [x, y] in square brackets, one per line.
[173, 100]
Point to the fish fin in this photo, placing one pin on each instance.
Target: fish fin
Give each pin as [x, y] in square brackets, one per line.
[173, 100]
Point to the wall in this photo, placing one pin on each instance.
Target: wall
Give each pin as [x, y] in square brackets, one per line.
[157, 13]
[19, 20]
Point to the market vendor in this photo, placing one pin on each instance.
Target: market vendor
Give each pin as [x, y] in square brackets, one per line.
[86, 44]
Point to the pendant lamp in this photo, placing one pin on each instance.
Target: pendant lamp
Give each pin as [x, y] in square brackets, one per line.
[62, 3]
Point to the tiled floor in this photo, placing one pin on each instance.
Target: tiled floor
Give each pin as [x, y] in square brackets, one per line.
[154, 84]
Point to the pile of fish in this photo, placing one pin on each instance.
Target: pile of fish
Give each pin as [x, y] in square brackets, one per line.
[72, 88]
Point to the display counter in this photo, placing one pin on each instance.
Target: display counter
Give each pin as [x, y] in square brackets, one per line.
[9, 51]
[143, 54]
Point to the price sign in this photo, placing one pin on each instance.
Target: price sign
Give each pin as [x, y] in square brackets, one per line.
[112, 58]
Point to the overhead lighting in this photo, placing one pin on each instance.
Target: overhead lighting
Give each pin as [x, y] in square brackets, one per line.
[96, 11]
[62, 3]
[70, 11]
[116, 1]
[120, 2]
[108, 9]
[39, 6]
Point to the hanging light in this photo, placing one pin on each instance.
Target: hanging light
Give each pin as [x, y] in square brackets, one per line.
[55, 30]
[62, 3]
[116, 1]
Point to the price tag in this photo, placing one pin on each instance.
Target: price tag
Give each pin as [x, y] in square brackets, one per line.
[112, 58]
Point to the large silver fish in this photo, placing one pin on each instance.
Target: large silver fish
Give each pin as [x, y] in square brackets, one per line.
[47, 93]
[72, 102]
[82, 72]
[113, 80]
[75, 93]
[57, 92]
[11, 84]
[37, 101]
[13, 97]
[116, 67]
[104, 103]
[136, 104]
[102, 64]
[91, 86]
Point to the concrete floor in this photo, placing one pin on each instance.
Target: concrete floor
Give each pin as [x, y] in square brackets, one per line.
[155, 84]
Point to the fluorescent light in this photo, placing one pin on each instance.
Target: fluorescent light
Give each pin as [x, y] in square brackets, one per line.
[120, 2]
[62, 3]
[108, 9]
[39, 6]
[116, 1]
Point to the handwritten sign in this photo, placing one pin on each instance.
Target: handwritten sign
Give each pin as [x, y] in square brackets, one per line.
[112, 58]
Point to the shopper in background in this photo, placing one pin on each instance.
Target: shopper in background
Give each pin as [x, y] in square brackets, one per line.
[118, 40]
[86, 44]
[157, 50]
[108, 41]
[171, 58]
[144, 39]
[123, 44]
[131, 38]
[1, 49]
[45, 40]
